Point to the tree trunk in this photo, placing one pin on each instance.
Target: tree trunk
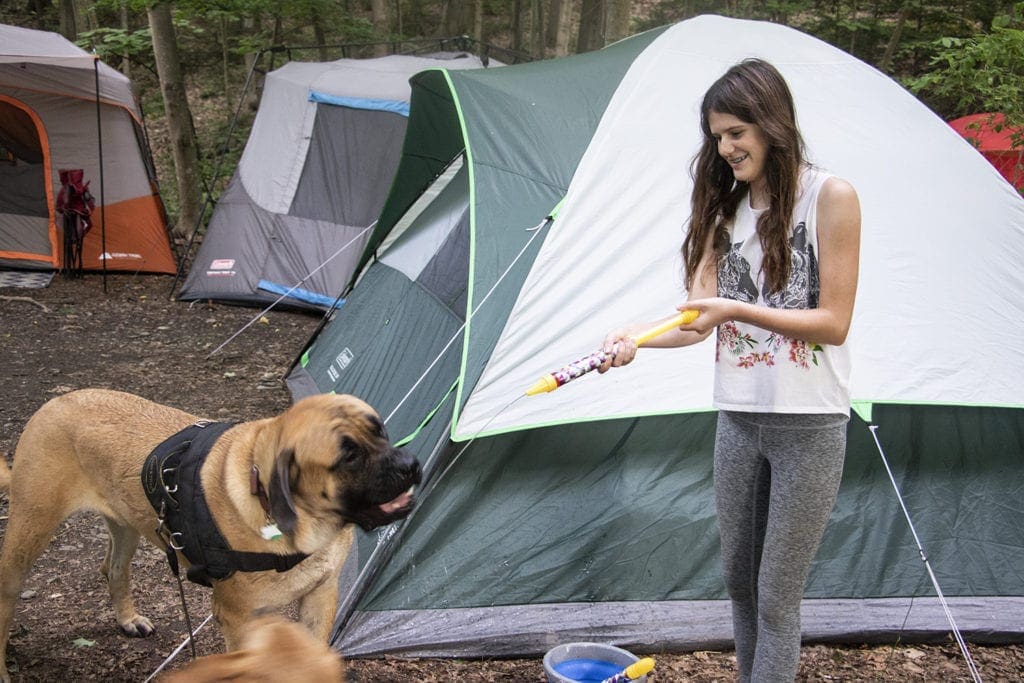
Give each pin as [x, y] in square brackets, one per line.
[381, 26]
[894, 39]
[225, 61]
[537, 29]
[179, 119]
[319, 36]
[517, 25]
[593, 25]
[126, 64]
[478, 21]
[561, 24]
[456, 17]
[68, 20]
[559, 14]
[84, 19]
[618, 19]
[275, 36]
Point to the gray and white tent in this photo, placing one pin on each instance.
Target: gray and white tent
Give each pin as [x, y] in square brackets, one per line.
[587, 513]
[312, 179]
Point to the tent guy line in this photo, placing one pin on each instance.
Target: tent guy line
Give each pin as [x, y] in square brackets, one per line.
[536, 230]
[178, 649]
[293, 288]
[971, 667]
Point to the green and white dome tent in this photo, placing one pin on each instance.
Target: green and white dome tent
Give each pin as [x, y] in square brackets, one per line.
[588, 513]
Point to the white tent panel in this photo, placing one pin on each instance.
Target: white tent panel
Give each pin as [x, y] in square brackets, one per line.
[940, 234]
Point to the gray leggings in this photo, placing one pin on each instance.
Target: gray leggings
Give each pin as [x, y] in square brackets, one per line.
[776, 480]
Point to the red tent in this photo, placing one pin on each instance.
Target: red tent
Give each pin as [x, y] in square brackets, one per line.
[996, 145]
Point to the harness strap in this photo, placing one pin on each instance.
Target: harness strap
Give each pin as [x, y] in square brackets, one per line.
[171, 480]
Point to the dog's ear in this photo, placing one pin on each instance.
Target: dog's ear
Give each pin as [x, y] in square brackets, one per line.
[282, 507]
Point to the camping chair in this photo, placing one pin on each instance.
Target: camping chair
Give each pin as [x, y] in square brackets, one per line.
[75, 204]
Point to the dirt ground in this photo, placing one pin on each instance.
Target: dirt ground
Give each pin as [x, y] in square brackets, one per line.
[133, 337]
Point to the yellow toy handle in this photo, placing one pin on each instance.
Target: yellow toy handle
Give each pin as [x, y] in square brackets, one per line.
[645, 665]
[684, 318]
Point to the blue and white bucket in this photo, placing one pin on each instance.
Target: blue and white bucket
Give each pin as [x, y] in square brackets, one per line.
[586, 662]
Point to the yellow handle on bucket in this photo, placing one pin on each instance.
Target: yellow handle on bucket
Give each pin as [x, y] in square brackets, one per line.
[637, 669]
[640, 668]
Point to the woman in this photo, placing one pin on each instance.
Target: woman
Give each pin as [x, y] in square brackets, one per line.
[770, 260]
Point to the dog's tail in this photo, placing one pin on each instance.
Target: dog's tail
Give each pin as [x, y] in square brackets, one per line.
[5, 473]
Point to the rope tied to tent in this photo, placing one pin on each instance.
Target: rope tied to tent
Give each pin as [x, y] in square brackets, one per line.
[288, 293]
[971, 666]
[188, 639]
[536, 230]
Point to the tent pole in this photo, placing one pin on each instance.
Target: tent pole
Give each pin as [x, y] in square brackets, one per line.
[103, 203]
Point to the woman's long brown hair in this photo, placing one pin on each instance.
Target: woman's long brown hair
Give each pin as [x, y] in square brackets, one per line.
[754, 92]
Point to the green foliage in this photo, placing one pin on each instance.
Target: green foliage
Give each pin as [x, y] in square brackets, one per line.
[113, 44]
[979, 73]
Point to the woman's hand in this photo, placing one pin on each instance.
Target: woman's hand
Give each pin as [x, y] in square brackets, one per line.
[713, 312]
[619, 349]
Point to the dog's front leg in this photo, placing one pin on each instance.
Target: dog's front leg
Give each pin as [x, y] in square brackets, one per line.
[317, 607]
[124, 540]
[232, 608]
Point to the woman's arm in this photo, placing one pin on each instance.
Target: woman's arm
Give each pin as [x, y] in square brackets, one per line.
[838, 263]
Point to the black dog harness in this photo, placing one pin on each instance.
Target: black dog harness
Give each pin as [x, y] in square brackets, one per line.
[170, 478]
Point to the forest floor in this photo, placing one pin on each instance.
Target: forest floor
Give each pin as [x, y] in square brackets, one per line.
[131, 336]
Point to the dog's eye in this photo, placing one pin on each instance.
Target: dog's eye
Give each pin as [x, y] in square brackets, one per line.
[350, 452]
[377, 427]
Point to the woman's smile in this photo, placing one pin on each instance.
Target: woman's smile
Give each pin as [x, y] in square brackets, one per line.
[741, 144]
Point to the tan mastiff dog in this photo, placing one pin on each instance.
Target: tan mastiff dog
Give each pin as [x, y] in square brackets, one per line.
[285, 489]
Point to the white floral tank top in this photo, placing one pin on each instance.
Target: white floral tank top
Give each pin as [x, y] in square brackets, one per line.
[761, 371]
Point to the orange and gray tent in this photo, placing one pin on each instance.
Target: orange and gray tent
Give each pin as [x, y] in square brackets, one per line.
[63, 109]
[314, 175]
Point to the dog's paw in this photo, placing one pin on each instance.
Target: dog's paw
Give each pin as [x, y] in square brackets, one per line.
[138, 627]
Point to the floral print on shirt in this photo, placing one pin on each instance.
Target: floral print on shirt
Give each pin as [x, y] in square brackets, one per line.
[802, 291]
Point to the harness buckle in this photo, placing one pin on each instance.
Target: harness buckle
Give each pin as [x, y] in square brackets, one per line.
[169, 489]
[175, 544]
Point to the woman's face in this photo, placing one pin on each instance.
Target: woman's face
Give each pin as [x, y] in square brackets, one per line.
[742, 145]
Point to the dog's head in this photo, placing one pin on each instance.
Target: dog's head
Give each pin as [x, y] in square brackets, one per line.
[333, 464]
